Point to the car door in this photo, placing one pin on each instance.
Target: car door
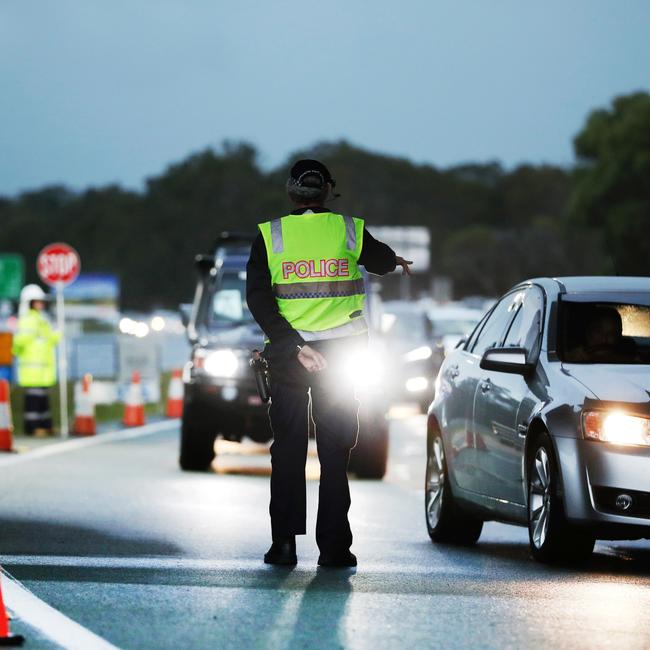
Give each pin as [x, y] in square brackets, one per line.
[462, 373]
[503, 403]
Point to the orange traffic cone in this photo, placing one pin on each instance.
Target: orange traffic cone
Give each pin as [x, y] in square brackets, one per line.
[6, 423]
[134, 403]
[175, 396]
[84, 418]
[6, 637]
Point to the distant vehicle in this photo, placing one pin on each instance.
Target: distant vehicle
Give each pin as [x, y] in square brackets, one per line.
[221, 397]
[542, 418]
[411, 356]
[450, 323]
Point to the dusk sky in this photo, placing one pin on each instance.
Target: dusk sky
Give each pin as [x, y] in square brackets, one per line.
[96, 92]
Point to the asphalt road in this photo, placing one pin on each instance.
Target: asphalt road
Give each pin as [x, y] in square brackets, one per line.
[128, 549]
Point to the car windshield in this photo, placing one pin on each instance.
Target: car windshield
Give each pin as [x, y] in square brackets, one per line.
[447, 327]
[229, 301]
[605, 332]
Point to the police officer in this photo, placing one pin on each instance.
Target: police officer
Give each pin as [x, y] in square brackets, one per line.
[305, 290]
[34, 346]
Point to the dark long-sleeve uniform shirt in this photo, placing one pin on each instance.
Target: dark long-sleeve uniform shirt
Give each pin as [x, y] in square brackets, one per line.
[376, 257]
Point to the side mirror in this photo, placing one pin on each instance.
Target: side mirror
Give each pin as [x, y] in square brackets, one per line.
[204, 263]
[512, 360]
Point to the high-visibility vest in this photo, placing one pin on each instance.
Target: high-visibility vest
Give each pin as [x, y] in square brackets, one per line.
[34, 346]
[313, 261]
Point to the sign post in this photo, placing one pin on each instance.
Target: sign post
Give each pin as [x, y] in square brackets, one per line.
[58, 265]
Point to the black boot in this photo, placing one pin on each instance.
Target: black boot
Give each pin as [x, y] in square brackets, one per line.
[282, 552]
[337, 560]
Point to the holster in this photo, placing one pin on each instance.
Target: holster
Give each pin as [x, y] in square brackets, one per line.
[260, 368]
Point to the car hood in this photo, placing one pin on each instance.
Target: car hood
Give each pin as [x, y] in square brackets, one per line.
[241, 336]
[617, 383]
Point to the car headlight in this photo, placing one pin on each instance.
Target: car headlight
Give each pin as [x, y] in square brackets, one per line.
[417, 384]
[221, 363]
[419, 354]
[616, 427]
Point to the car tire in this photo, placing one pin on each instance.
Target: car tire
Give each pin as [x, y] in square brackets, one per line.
[445, 520]
[553, 539]
[369, 457]
[197, 447]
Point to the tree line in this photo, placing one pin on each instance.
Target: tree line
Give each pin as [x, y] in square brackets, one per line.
[490, 227]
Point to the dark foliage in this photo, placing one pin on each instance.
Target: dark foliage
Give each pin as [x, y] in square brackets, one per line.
[490, 227]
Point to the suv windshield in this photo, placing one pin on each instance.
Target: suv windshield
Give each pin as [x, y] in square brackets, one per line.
[229, 301]
[404, 325]
[605, 332]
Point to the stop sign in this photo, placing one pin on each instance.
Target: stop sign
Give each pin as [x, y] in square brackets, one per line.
[58, 264]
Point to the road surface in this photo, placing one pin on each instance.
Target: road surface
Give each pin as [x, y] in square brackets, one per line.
[115, 547]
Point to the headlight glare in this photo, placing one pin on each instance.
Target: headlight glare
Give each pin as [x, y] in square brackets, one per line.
[221, 363]
[616, 428]
[365, 368]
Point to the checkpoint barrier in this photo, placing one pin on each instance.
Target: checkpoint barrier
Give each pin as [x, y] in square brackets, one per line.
[134, 403]
[84, 419]
[6, 637]
[6, 422]
[174, 407]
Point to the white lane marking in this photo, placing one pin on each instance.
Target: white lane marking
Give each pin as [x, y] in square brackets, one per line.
[49, 621]
[102, 562]
[82, 443]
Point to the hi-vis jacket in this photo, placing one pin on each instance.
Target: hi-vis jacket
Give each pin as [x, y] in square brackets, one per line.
[315, 276]
[34, 346]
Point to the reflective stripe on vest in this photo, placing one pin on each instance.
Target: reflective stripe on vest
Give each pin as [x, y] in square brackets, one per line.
[278, 242]
[276, 236]
[356, 326]
[319, 289]
[313, 262]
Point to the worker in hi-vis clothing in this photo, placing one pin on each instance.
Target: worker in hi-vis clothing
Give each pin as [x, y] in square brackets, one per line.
[34, 346]
[305, 290]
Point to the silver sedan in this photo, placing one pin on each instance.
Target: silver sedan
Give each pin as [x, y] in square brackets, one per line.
[542, 418]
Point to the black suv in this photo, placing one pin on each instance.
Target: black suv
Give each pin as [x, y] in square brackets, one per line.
[220, 391]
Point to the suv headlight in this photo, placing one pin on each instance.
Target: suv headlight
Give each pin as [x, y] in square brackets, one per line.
[419, 354]
[221, 363]
[616, 427]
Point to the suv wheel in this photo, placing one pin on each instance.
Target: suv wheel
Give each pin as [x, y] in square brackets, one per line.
[445, 521]
[197, 446]
[552, 538]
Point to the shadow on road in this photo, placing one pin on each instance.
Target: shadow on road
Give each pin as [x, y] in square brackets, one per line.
[34, 537]
[323, 610]
[606, 559]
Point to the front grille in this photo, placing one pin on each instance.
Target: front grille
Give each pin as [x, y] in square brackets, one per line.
[605, 498]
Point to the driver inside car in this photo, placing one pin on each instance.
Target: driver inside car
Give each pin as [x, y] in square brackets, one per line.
[603, 339]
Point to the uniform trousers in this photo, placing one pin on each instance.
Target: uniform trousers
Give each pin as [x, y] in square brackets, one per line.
[36, 412]
[328, 405]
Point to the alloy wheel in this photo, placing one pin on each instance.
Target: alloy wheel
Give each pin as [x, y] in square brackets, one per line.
[435, 483]
[539, 498]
